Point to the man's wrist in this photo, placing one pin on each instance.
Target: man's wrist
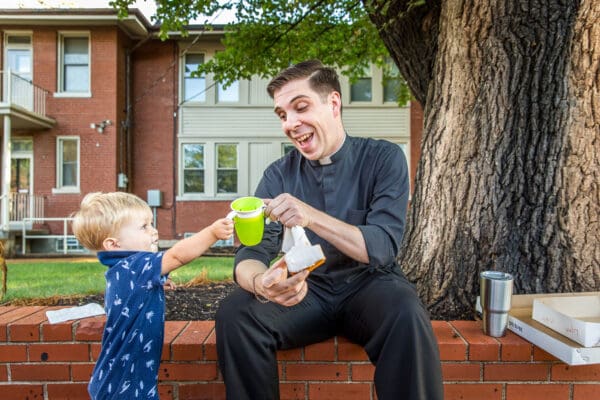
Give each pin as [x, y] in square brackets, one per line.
[259, 297]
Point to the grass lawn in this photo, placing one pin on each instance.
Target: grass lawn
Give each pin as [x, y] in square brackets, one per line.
[29, 279]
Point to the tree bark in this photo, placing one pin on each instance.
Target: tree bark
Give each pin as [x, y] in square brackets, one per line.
[509, 172]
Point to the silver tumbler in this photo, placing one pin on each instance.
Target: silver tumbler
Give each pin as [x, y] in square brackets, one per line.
[495, 292]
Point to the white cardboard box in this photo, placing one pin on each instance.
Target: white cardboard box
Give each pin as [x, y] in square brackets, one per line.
[521, 322]
[576, 317]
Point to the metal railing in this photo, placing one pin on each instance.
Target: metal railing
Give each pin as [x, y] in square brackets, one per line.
[25, 205]
[65, 237]
[23, 92]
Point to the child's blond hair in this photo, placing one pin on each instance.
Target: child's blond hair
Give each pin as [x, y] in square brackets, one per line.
[101, 215]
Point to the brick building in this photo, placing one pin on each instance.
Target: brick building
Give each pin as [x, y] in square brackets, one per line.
[94, 103]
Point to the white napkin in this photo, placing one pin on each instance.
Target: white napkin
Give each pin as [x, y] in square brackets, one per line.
[300, 254]
[66, 314]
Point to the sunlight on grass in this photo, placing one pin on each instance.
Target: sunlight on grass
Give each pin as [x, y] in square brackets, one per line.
[27, 279]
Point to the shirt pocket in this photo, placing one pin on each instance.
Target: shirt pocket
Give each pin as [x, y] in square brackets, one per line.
[357, 217]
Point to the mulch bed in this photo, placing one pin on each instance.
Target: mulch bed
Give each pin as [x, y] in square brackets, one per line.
[194, 303]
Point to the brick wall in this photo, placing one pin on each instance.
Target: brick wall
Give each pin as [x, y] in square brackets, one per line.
[43, 361]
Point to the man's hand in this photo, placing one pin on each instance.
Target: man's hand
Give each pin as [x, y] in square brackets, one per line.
[275, 284]
[288, 210]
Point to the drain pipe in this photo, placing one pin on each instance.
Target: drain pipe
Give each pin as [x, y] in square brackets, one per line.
[126, 142]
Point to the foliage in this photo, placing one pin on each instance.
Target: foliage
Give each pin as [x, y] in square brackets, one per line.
[41, 279]
[269, 35]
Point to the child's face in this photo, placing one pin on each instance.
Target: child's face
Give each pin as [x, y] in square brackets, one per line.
[137, 233]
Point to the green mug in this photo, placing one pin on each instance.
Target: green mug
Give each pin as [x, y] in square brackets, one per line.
[248, 219]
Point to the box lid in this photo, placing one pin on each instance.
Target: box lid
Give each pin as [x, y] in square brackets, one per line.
[577, 317]
[520, 321]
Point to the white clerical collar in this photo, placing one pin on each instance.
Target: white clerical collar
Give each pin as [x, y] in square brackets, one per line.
[327, 159]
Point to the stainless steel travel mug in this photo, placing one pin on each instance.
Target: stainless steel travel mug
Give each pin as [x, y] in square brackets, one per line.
[495, 293]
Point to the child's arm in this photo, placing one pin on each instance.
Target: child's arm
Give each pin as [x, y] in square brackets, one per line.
[193, 247]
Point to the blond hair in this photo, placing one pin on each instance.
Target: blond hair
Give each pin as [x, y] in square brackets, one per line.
[101, 215]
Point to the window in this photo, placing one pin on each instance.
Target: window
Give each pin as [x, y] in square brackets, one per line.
[231, 94]
[75, 64]
[227, 168]
[18, 58]
[361, 90]
[193, 168]
[287, 147]
[194, 88]
[391, 81]
[67, 168]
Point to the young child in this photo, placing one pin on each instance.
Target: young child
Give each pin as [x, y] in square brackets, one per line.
[119, 227]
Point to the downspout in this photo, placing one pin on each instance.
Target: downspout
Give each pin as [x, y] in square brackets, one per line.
[125, 149]
[6, 160]
[175, 142]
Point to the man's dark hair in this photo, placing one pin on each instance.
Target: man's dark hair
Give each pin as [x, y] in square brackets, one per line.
[322, 79]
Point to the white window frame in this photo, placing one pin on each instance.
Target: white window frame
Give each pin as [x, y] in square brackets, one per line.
[182, 169]
[210, 170]
[197, 99]
[60, 187]
[60, 92]
[237, 168]
[368, 74]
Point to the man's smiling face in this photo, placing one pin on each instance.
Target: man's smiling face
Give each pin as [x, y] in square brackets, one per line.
[308, 119]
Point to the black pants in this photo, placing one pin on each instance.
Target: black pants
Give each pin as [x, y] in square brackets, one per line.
[380, 311]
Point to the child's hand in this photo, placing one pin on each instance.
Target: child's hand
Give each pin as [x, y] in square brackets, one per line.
[222, 228]
[169, 284]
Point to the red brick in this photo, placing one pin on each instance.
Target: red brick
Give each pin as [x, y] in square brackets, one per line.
[481, 346]
[291, 354]
[27, 329]
[515, 372]
[336, 391]
[13, 352]
[166, 392]
[461, 371]
[189, 344]
[202, 391]
[586, 391]
[515, 348]
[563, 372]
[172, 330]
[82, 372]
[39, 372]
[542, 355]
[13, 315]
[95, 349]
[187, 372]
[362, 372]
[292, 391]
[5, 309]
[452, 347]
[71, 391]
[90, 329]
[3, 373]
[537, 391]
[322, 351]
[316, 371]
[348, 351]
[20, 391]
[45, 352]
[57, 332]
[210, 347]
[475, 391]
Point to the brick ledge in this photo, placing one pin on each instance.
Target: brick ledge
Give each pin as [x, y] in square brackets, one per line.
[55, 362]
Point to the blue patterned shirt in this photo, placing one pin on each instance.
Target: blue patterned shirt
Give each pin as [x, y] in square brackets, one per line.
[127, 367]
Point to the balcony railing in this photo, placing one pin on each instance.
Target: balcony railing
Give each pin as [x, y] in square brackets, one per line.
[23, 206]
[23, 92]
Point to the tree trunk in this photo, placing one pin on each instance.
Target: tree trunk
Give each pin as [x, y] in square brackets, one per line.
[509, 174]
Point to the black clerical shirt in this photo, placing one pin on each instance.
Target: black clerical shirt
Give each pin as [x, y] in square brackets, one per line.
[366, 184]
